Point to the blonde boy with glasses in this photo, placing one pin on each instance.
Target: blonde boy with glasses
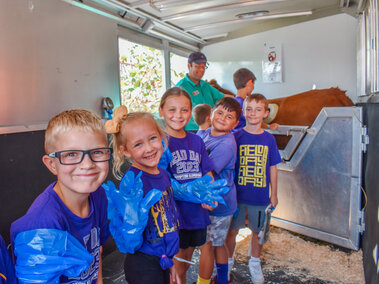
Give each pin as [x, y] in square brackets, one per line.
[75, 205]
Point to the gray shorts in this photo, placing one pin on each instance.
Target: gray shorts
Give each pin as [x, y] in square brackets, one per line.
[218, 229]
[253, 213]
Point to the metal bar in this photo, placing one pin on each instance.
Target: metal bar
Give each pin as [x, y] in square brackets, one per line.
[159, 23]
[273, 16]
[217, 8]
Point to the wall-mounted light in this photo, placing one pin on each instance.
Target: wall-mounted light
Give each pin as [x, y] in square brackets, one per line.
[246, 18]
[147, 26]
[253, 14]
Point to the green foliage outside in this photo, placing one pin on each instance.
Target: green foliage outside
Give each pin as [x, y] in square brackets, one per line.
[141, 78]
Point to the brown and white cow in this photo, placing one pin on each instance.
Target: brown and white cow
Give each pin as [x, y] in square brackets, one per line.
[303, 108]
[300, 109]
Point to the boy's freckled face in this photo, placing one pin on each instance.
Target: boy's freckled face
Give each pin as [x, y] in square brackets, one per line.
[255, 112]
[223, 120]
[87, 176]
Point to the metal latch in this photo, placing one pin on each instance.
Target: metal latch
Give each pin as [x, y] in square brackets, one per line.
[362, 224]
[365, 139]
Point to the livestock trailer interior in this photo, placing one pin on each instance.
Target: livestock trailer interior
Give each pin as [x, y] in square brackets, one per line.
[63, 54]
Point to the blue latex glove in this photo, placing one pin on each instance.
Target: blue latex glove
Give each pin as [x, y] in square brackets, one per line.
[201, 190]
[128, 211]
[166, 158]
[43, 255]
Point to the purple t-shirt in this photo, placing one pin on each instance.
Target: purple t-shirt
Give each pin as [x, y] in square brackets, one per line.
[160, 236]
[222, 151]
[242, 121]
[255, 154]
[6, 265]
[49, 212]
[190, 161]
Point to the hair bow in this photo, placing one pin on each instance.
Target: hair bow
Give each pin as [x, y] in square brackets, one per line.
[113, 126]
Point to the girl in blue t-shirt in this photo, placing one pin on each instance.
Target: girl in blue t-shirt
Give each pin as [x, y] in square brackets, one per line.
[190, 161]
[138, 137]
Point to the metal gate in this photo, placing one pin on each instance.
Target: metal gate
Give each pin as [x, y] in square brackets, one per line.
[319, 182]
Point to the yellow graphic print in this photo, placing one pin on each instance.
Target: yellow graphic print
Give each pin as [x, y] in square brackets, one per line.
[164, 223]
[253, 161]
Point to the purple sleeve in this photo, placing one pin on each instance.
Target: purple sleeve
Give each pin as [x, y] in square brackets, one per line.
[223, 154]
[206, 163]
[102, 202]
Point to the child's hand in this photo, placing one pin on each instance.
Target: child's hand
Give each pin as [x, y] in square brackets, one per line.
[128, 211]
[274, 126]
[209, 207]
[274, 200]
[174, 275]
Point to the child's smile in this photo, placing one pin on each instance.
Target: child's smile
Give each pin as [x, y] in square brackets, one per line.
[86, 176]
[143, 145]
[176, 113]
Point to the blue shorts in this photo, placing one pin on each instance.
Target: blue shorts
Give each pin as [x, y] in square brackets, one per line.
[255, 214]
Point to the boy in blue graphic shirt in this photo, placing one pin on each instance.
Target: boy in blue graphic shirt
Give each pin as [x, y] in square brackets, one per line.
[77, 153]
[256, 178]
[222, 148]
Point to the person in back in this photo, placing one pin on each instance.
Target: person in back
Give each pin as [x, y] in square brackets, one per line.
[77, 153]
[244, 81]
[200, 91]
[202, 116]
[256, 179]
[222, 148]
[7, 275]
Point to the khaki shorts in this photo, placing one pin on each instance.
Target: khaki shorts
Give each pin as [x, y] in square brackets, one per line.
[218, 229]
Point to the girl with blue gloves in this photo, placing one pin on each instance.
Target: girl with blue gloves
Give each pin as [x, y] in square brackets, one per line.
[137, 136]
[190, 162]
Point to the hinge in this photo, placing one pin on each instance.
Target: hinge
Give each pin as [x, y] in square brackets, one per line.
[365, 139]
[361, 224]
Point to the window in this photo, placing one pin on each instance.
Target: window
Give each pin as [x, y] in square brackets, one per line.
[178, 68]
[370, 45]
[142, 80]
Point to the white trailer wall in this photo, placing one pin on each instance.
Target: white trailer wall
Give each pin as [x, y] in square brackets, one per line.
[54, 56]
[320, 52]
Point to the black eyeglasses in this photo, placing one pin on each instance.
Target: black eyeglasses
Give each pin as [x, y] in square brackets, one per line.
[73, 157]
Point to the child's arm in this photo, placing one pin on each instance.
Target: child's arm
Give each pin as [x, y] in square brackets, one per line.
[271, 126]
[100, 272]
[274, 185]
[174, 275]
[206, 206]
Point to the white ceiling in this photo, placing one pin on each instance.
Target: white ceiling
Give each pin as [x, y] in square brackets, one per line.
[199, 23]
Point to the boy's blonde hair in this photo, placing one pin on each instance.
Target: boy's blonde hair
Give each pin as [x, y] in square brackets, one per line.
[119, 138]
[256, 97]
[67, 120]
[200, 113]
